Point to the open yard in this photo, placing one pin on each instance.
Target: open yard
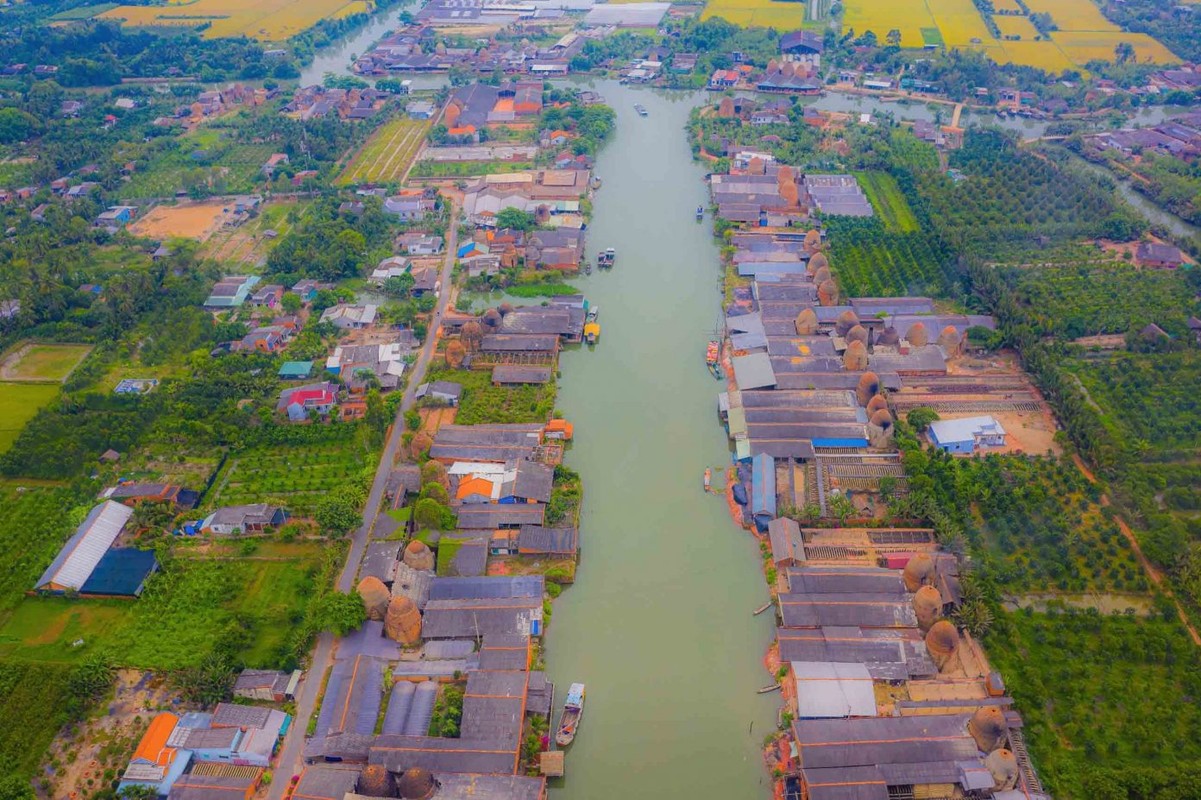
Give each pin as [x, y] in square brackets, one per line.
[42, 363]
[482, 402]
[386, 156]
[186, 221]
[19, 403]
[267, 20]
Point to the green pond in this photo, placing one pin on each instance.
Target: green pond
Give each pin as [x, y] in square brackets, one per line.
[659, 623]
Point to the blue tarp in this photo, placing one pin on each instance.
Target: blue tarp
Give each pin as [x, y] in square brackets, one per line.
[763, 485]
[840, 442]
[122, 572]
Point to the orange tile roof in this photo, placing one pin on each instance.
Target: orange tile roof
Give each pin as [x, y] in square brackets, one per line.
[462, 130]
[503, 104]
[471, 486]
[153, 747]
[560, 425]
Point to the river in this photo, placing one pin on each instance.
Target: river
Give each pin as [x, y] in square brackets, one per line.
[658, 623]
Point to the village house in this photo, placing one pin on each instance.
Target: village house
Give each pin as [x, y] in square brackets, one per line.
[446, 392]
[420, 244]
[267, 684]
[1158, 254]
[243, 519]
[966, 435]
[276, 160]
[231, 292]
[385, 361]
[114, 218]
[350, 317]
[300, 402]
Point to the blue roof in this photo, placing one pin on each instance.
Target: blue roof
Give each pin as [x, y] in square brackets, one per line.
[296, 369]
[492, 586]
[121, 572]
[763, 485]
[840, 442]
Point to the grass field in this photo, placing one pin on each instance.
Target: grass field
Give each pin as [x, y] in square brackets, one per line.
[1016, 26]
[268, 20]
[41, 362]
[783, 16]
[888, 201]
[182, 614]
[35, 520]
[19, 403]
[386, 156]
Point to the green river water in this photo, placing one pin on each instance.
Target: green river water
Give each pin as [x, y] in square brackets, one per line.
[658, 623]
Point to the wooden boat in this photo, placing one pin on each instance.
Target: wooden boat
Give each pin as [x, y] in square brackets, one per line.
[774, 687]
[591, 332]
[713, 358]
[573, 712]
[761, 609]
[641, 109]
[593, 314]
[587, 268]
[606, 258]
[708, 477]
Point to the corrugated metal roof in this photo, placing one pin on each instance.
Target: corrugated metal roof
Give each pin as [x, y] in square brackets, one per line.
[83, 551]
[827, 689]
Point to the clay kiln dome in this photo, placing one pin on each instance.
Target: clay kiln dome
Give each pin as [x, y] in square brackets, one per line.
[402, 623]
[806, 322]
[827, 293]
[917, 335]
[813, 240]
[418, 555]
[505, 309]
[822, 275]
[375, 781]
[817, 261]
[846, 320]
[882, 419]
[375, 596]
[987, 727]
[868, 388]
[889, 337]
[492, 318]
[942, 641]
[855, 358]
[416, 784]
[918, 572]
[857, 333]
[949, 339]
[1003, 767]
[876, 403]
[927, 604]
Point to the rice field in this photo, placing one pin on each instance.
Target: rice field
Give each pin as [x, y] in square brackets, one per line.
[1044, 55]
[1016, 26]
[761, 13]
[386, 156]
[1073, 15]
[1012, 6]
[267, 20]
[1083, 47]
[960, 22]
[906, 16]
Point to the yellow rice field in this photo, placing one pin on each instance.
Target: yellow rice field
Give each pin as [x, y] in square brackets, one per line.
[1016, 26]
[1007, 5]
[960, 22]
[1073, 15]
[268, 20]
[783, 16]
[1044, 55]
[881, 16]
[1083, 47]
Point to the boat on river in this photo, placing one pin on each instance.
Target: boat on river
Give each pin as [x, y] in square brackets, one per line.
[700, 213]
[713, 358]
[588, 268]
[641, 109]
[606, 258]
[593, 313]
[591, 331]
[708, 477]
[573, 712]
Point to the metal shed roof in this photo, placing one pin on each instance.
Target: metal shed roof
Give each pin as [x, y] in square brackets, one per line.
[827, 689]
[753, 371]
[74, 564]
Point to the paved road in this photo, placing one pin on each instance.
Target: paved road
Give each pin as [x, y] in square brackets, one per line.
[291, 754]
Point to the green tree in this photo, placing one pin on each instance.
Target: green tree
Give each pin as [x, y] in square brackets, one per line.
[291, 303]
[920, 418]
[339, 511]
[515, 218]
[339, 612]
[207, 683]
[429, 513]
[435, 491]
[400, 285]
[840, 507]
[17, 125]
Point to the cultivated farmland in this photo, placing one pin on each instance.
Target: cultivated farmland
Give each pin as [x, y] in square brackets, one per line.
[906, 16]
[888, 201]
[295, 477]
[1010, 25]
[387, 154]
[763, 13]
[960, 22]
[1083, 47]
[19, 403]
[268, 20]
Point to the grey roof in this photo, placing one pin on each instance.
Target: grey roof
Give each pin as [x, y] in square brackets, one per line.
[841, 743]
[353, 695]
[505, 373]
[532, 481]
[827, 689]
[494, 705]
[753, 371]
[211, 738]
[486, 442]
[816, 580]
[212, 787]
[786, 539]
[326, 782]
[412, 583]
[398, 753]
[893, 652]
[239, 716]
[505, 652]
[499, 515]
[869, 611]
[535, 539]
[467, 619]
[453, 786]
[380, 560]
[519, 343]
[538, 321]
[479, 588]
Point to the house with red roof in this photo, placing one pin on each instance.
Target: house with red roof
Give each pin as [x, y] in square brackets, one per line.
[298, 403]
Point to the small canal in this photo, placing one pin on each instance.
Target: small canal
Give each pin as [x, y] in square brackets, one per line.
[659, 621]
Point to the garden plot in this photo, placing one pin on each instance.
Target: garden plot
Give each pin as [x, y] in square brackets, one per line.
[386, 156]
[294, 477]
